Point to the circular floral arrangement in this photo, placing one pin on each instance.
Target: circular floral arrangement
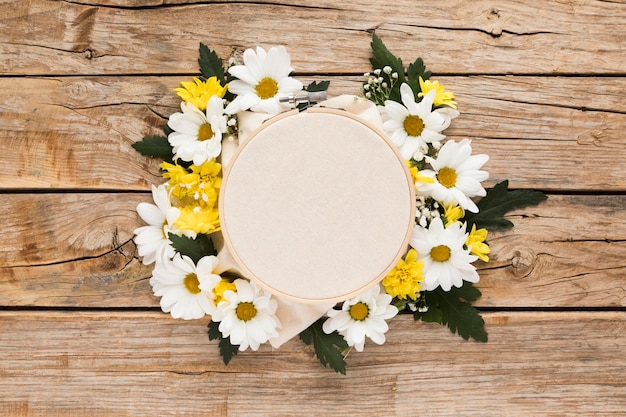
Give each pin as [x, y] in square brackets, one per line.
[433, 280]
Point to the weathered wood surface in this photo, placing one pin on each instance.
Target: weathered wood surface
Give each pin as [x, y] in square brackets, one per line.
[541, 88]
[133, 364]
[481, 37]
[49, 128]
[83, 255]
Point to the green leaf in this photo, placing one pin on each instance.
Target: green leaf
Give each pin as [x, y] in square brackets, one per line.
[499, 201]
[432, 315]
[227, 350]
[317, 86]
[381, 56]
[328, 347]
[196, 248]
[154, 147]
[416, 70]
[455, 310]
[210, 64]
[214, 330]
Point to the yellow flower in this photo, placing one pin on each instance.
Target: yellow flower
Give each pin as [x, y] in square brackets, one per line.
[476, 240]
[442, 97]
[452, 213]
[200, 186]
[198, 220]
[200, 92]
[218, 290]
[405, 279]
[417, 177]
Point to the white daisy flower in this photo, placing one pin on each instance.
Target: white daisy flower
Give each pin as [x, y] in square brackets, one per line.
[361, 316]
[247, 316]
[446, 262]
[197, 135]
[177, 282]
[457, 175]
[152, 240]
[261, 81]
[414, 125]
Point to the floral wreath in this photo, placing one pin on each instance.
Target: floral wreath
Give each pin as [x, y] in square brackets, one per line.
[434, 279]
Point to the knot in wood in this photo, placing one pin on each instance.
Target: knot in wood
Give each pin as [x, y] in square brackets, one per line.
[523, 263]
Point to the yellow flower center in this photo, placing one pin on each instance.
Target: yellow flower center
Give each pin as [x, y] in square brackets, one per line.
[440, 253]
[359, 311]
[266, 88]
[245, 311]
[191, 283]
[205, 132]
[446, 177]
[413, 125]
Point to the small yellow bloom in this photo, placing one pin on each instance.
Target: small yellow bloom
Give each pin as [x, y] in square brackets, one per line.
[405, 279]
[452, 213]
[476, 240]
[198, 220]
[442, 97]
[220, 288]
[417, 177]
[200, 186]
[200, 92]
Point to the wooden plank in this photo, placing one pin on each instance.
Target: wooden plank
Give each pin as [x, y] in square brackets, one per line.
[75, 250]
[119, 36]
[146, 364]
[50, 127]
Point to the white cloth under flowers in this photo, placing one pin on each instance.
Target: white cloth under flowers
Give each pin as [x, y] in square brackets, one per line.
[294, 316]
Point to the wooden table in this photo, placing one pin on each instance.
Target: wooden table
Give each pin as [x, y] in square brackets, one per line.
[540, 87]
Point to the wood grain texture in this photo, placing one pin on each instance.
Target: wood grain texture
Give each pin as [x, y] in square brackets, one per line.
[540, 87]
[485, 37]
[131, 364]
[76, 132]
[82, 254]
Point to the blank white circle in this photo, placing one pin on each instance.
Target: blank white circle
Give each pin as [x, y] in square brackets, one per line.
[317, 206]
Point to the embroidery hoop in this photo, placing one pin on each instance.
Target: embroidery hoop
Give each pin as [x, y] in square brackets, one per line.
[317, 206]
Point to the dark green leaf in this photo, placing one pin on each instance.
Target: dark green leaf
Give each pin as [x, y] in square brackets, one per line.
[196, 248]
[317, 86]
[416, 70]
[154, 147]
[456, 311]
[381, 57]
[328, 347]
[432, 315]
[499, 201]
[227, 350]
[210, 64]
[214, 330]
